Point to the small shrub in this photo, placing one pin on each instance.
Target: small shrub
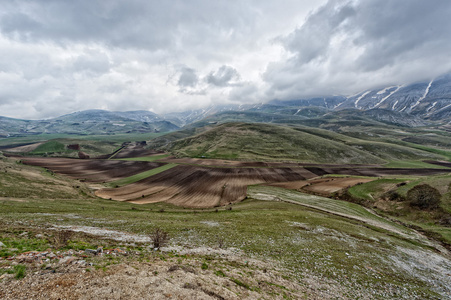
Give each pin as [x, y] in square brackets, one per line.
[61, 238]
[393, 195]
[221, 243]
[424, 196]
[204, 266]
[159, 238]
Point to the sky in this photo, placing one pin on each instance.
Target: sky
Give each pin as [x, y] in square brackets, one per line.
[61, 56]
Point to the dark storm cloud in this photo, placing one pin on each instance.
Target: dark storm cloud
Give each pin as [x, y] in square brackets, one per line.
[345, 46]
[224, 76]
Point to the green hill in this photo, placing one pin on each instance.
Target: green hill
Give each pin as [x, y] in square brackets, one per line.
[243, 141]
[267, 142]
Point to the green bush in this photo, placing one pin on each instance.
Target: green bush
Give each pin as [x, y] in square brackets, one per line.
[20, 271]
[393, 195]
[424, 196]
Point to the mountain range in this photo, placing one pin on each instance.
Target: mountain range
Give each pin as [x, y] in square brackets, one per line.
[413, 105]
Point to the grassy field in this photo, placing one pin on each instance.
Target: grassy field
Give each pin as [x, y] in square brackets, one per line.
[412, 164]
[345, 247]
[50, 147]
[306, 242]
[140, 176]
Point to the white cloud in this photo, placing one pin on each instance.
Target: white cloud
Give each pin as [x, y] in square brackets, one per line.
[62, 56]
[346, 46]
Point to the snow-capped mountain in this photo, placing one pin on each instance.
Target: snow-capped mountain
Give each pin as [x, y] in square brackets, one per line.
[428, 100]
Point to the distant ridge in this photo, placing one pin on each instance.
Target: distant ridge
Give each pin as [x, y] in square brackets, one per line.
[413, 105]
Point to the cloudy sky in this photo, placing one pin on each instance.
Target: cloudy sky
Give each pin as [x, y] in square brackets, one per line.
[61, 56]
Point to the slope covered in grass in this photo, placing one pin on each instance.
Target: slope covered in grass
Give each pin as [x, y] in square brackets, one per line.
[244, 141]
[267, 142]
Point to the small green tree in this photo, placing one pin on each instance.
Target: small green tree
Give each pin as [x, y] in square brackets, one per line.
[424, 196]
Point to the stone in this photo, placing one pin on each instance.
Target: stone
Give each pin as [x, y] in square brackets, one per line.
[91, 251]
[67, 260]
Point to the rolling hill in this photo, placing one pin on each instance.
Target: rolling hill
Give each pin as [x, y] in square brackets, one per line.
[244, 141]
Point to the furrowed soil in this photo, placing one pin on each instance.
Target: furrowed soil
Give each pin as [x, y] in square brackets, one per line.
[255, 164]
[92, 170]
[203, 183]
[323, 186]
[25, 148]
[194, 186]
[134, 150]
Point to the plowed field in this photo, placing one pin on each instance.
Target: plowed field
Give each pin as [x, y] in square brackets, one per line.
[134, 150]
[255, 164]
[195, 186]
[92, 170]
[209, 183]
[322, 186]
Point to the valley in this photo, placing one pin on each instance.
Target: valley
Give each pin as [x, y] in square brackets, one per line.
[267, 203]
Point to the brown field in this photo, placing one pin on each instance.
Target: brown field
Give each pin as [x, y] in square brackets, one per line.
[375, 172]
[327, 186]
[322, 186]
[92, 170]
[196, 186]
[135, 150]
[24, 148]
[255, 164]
[439, 163]
[210, 183]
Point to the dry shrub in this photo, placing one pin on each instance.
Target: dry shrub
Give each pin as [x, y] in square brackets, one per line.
[61, 238]
[159, 238]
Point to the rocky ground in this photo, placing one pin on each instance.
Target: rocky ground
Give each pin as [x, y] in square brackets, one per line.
[119, 274]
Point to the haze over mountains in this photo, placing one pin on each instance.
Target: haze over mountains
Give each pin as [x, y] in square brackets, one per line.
[413, 105]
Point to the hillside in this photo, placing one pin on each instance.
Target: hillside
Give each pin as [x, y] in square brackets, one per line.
[244, 141]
